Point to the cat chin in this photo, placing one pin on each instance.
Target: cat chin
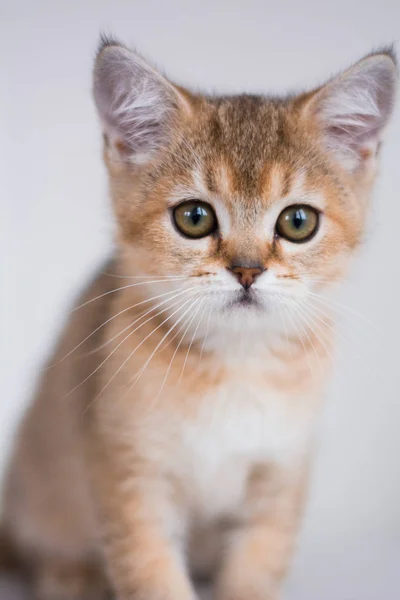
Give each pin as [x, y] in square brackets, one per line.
[245, 301]
[246, 311]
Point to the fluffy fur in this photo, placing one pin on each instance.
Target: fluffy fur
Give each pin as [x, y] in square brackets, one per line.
[171, 434]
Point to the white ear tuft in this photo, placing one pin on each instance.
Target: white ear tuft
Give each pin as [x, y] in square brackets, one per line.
[354, 108]
[137, 105]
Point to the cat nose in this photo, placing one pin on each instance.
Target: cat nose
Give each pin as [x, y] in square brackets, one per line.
[246, 275]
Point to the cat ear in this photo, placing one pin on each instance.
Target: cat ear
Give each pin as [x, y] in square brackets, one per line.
[137, 105]
[353, 109]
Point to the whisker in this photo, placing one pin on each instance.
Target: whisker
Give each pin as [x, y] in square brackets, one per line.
[337, 331]
[136, 377]
[163, 277]
[302, 308]
[190, 319]
[302, 343]
[194, 335]
[340, 308]
[298, 310]
[118, 346]
[117, 335]
[138, 346]
[124, 287]
[319, 323]
[143, 314]
[205, 336]
[282, 315]
[171, 340]
[109, 320]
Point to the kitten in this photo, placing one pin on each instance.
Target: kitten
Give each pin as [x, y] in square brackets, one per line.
[171, 435]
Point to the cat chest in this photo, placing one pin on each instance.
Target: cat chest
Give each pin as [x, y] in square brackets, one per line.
[237, 427]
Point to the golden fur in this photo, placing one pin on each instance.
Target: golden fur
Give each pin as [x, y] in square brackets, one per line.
[172, 431]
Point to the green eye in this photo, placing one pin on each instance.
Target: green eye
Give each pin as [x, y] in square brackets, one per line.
[195, 219]
[298, 223]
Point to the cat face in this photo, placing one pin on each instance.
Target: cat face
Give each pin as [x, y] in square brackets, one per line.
[252, 203]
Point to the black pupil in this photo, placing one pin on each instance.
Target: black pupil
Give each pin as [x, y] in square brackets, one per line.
[299, 218]
[196, 214]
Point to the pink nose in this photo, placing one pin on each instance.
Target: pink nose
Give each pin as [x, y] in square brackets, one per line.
[246, 275]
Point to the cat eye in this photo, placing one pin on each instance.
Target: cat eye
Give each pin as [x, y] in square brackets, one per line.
[195, 219]
[298, 223]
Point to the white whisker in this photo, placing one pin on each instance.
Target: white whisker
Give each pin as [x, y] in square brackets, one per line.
[282, 315]
[139, 345]
[137, 376]
[118, 346]
[124, 287]
[190, 320]
[163, 277]
[143, 314]
[301, 308]
[302, 343]
[194, 335]
[337, 331]
[205, 336]
[114, 317]
[341, 309]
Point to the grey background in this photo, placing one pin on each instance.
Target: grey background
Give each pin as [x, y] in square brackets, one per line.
[56, 226]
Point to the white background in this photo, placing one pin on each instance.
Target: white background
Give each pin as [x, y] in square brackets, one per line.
[57, 227]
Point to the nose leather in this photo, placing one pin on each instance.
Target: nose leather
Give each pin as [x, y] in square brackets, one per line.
[246, 275]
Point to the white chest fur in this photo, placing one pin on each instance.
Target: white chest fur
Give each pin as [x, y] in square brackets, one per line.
[238, 426]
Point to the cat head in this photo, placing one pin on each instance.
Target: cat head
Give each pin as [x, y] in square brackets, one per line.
[257, 202]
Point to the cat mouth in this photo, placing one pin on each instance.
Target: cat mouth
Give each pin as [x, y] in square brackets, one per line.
[245, 299]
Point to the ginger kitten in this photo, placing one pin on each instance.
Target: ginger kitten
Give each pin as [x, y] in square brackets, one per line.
[169, 438]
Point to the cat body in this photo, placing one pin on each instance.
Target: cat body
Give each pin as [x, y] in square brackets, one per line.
[171, 433]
